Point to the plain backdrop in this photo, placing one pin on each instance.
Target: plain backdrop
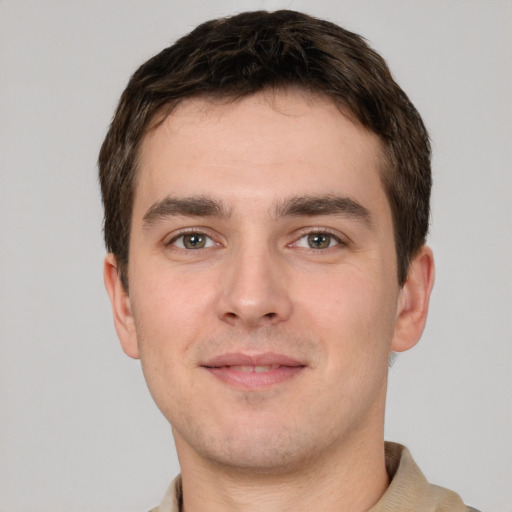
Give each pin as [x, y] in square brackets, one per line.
[78, 429]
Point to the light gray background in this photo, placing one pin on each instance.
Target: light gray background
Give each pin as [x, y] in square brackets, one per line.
[78, 430]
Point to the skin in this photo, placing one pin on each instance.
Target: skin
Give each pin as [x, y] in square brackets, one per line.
[314, 440]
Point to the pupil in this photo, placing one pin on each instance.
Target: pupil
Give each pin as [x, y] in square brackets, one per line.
[319, 241]
[194, 241]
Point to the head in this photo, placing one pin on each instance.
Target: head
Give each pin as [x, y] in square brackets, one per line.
[236, 57]
[266, 187]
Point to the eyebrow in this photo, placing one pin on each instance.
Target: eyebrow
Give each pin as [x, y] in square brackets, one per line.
[309, 206]
[300, 206]
[200, 206]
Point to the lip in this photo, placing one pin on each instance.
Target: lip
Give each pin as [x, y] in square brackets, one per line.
[253, 371]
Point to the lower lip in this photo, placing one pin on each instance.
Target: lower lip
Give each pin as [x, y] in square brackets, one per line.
[255, 380]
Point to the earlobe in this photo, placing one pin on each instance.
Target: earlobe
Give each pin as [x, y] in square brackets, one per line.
[121, 307]
[413, 301]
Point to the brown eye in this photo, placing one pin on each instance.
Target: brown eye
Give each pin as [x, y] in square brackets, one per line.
[194, 241]
[319, 240]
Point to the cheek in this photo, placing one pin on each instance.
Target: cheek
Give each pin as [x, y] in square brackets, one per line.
[169, 315]
[352, 314]
[168, 300]
[163, 335]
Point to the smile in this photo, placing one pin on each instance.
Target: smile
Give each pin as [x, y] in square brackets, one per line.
[253, 372]
[255, 369]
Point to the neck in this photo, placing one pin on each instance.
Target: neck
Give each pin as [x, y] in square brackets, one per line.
[351, 479]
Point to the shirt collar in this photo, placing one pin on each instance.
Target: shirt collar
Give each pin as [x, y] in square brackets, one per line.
[408, 490]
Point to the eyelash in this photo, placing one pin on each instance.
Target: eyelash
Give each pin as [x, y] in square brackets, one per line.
[189, 232]
[320, 231]
[303, 234]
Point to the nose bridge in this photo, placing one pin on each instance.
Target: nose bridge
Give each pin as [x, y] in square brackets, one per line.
[254, 290]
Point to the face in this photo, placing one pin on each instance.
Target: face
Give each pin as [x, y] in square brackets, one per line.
[263, 298]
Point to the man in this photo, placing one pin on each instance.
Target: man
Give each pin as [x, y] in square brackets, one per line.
[266, 188]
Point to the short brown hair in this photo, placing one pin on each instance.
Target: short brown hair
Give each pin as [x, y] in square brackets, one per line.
[250, 52]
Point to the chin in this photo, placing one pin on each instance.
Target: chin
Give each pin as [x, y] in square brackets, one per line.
[260, 459]
[257, 451]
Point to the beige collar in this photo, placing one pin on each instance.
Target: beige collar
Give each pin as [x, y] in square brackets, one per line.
[408, 490]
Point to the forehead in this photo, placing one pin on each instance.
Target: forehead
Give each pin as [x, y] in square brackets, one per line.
[270, 143]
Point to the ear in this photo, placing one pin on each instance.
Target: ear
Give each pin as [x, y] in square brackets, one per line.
[121, 308]
[413, 301]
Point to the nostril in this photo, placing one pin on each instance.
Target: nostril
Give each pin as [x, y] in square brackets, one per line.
[231, 316]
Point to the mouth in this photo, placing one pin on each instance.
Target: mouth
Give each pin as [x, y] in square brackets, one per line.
[253, 372]
[250, 369]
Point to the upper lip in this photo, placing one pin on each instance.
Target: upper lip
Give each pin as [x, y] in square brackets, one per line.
[238, 359]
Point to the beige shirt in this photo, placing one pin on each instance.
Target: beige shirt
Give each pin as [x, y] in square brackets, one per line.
[408, 490]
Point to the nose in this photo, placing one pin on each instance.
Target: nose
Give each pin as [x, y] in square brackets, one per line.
[255, 290]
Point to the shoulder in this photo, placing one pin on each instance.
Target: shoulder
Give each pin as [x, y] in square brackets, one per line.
[172, 499]
[410, 490]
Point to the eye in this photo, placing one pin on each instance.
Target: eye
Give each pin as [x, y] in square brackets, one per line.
[192, 241]
[317, 241]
